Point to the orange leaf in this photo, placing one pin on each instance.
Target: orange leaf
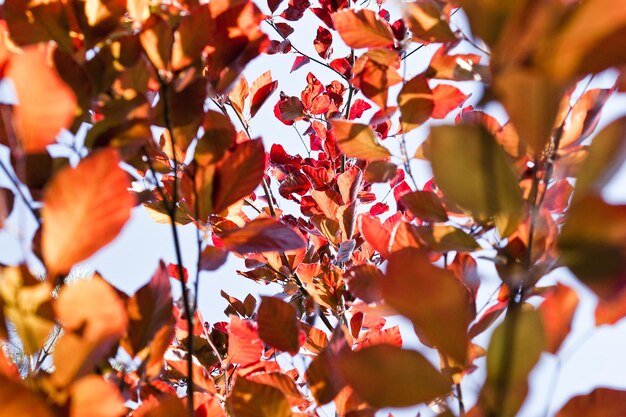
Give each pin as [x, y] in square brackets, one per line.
[238, 174]
[262, 235]
[364, 282]
[388, 376]
[282, 382]
[46, 103]
[322, 375]
[357, 140]
[244, 345]
[435, 301]
[17, 400]
[251, 399]
[84, 209]
[278, 326]
[557, 312]
[446, 98]
[362, 29]
[375, 234]
[601, 402]
[374, 72]
[92, 396]
[94, 318]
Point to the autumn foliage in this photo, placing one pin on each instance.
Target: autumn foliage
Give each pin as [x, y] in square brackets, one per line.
[123, 105]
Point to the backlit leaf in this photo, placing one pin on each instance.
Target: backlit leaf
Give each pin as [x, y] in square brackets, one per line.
[92, 396]
[526, 343]
[486, 185]
[425, 205]
[357, 140]
[557, 312]
[151, 321]
[238, 174]
[362, 29]
[435, 301]
[244, 345]
[425, 20]
[416, 102]
[402, 377]
[251, 399]
[84, 209]
[17, 400]
[601, 402]
[262, 235]
[46, 103]
[278, 325]
[260, 91]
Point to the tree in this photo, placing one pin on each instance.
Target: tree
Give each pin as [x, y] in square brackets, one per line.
[523, 196]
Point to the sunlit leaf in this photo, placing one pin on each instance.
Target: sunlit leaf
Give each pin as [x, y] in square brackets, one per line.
[557, 312]
[92, 396]
[260, 91]
[357, 140]
[425, 205]
[238, 174]
[84, 209]
[593, 244]
[46, 103]
[262, 235]
[278, 325]
[251, 399]
[416, 102]
[362, 29]
[403, 377]
[151, 321]
[94, 319]
[425, 20]
[446, 98]
[601, 402]
[244, 345]
[435, 301]
[606, 155]
[17, 400]
[486, 185]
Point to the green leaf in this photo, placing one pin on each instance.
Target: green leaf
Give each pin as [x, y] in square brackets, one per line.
[521, 338]
[425, 205]
[388, 376]
[606, 155]
[593, 243]
[472, 170]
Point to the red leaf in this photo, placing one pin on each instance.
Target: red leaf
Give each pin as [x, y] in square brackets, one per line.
[244, 345]
[238, 174]
[295, 10]
[358, 107]
[261, 89]
[262, 235]
[278, 326]
[322, 42]
[172, 270]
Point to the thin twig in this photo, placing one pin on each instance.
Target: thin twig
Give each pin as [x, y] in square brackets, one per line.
[165, 96]
[317, 61]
